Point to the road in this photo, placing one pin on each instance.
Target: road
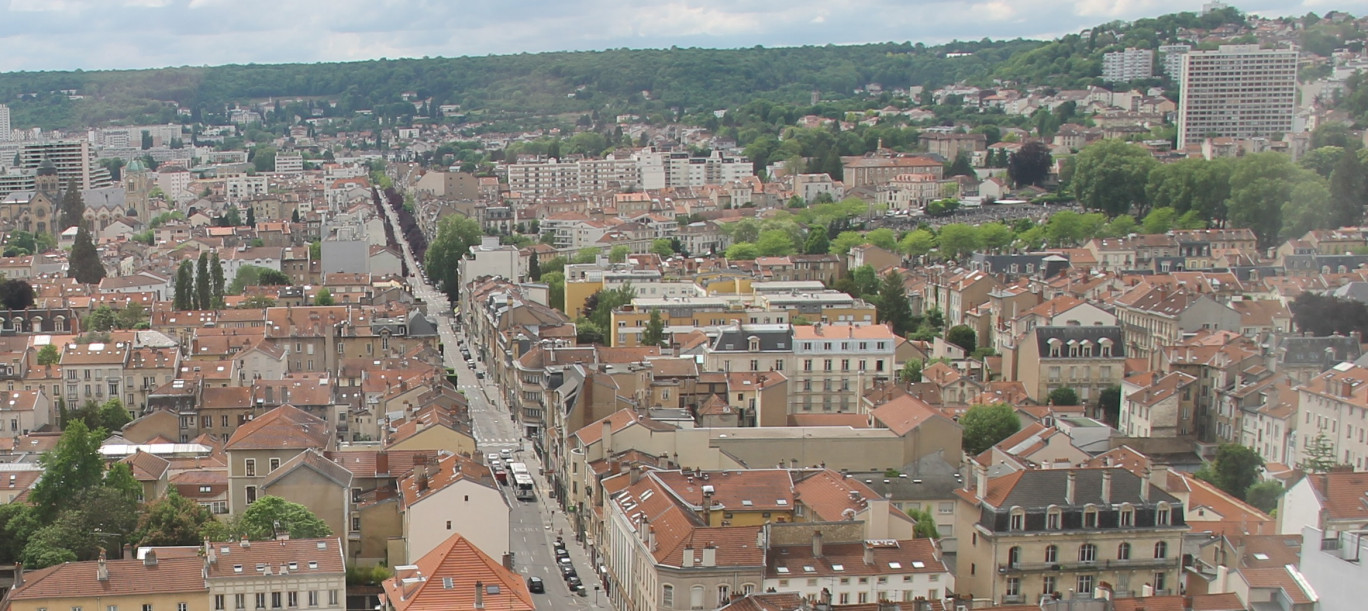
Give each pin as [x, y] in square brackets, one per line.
[533, 525]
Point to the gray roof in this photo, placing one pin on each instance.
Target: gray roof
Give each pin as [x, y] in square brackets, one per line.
[1045, 487]
[1078, 333]
[1358, 291]
[929, 479]
[1317, 351]
[773, 338]
[108, 197]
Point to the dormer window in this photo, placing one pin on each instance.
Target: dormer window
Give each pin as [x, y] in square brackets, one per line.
[1090, 517]
[1087, 348]
[1053, 517]
[1106, 347]
[1127, 516]
[1017, 519]
[1055, 347]
[1163, 515]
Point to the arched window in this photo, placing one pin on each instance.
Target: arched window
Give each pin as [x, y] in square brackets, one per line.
[1017, 521]
[1052, 554]
[696, 597]
[1090, 517]
[667, 596]
[1053, 518]
[1127, 515]
[1123, 551]
[1161, 549]
[1014, 556]
[1163, 515]
[1087, 553]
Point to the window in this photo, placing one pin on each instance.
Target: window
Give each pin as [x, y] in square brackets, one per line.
[112, 608]
[1085, 584]
[239, 601]
[275, 600]
[1123, 551]
[696, 597]
[332, 598]
[1048, 585]
[261, 600]
[275, 464]
[1127, 515]
[1013, 586]
[1013, 557]
[250, 466]
[1161, 549]
[251, 494]
[219, 602]
[1160, 580]
[1052, 518]
[1161, 515]
[723, 594]
[1051, 554]
[667, 596]
[147, 607]
[946, 507]
[313, 598]
[1017, 521]
[1090, 517]
[182, 607]
[1087, 553]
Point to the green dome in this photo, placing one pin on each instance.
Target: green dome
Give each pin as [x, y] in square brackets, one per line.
[135, 166]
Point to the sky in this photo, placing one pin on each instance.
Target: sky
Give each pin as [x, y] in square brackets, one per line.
[112, 34]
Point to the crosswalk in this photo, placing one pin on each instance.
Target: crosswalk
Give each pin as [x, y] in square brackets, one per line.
[509, 441]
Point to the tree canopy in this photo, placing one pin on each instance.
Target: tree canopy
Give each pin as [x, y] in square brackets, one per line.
[985, 425]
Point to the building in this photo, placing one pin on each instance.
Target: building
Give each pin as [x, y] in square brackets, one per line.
[149, 583]
[262, 445]
[4, 123]
[859, 572]
[1172, 57]
[1086, 359]
[75, 161]
[1041, 532]
[1236, 91]
[1165, 408]
[835, 363]
[289, 163]
[456, 574]
[1127, 65]
[1334, 405]
[1332, 502]
[453, 495]
[286, 573]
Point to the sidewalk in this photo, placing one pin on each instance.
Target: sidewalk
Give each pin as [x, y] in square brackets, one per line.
[558, 525]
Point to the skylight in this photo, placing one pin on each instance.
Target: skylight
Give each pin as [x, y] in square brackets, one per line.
[917, 564]
[783, 570]
[809, 569]
[895, 565]
[838, 567]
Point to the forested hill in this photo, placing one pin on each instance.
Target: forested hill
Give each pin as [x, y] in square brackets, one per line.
[690, 79]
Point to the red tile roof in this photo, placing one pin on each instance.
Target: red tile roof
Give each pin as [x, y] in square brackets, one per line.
[283, 427]
[126, 578]
[448, 576]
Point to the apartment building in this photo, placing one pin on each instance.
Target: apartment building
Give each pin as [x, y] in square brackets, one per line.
[1335, 404]
[94, 372]
[1127, 65]
[1236, 91]
[1172, 58]
[835, 363]
[282, 574]
[1164, 408]
[149, 583]
[1042, 532]
[1086, 359]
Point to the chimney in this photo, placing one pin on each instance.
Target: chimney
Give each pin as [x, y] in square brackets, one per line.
[980, 479]
[479, 595]
[382, 463]
[1106, 486]
[245, 543]
[1069, 487]
[688, 557]
[707, 505]
[635, 475]
[606, 444]
[816, 544]
[710, 555]
[1145, 484]
[869, 554]
[101, 568]
[18, 575]
[151, 558]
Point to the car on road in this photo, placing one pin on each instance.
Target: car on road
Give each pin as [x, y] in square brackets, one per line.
[561, 553]
[568, 571]
[506, 453]
[491, 458]
[574, 583]
[479, 375]
[535, 585]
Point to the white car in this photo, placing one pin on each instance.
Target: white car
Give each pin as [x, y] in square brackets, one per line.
[506, 453]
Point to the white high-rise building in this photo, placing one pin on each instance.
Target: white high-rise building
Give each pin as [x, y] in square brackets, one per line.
[4, 123]
[1237, 91]
[1173, 58]
[1128, 65]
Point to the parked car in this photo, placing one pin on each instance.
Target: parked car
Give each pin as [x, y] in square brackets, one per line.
[568, 571]
[535, 585]
[561, 553]
[573, 582]
[479, 375]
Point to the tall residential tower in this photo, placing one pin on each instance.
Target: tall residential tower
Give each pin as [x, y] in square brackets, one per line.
[1236, 91]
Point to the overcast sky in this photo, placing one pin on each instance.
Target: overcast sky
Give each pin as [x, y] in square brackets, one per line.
[98, 34]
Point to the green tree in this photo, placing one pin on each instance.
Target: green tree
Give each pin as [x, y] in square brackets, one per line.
[172, 520]
[961, 166]
[891, 304]
[49, 355]
[1322, 160]
[958, 240]
[1308, 207]
[1111, 176]
[455, 235]
[1159, 220]
[911, 372]
[654, 333]
[323, 298]
[1192, 184]
[995, 236]
[15, 294]
[1109, 403]
[599, 307]
[1234, 470]
[1122, 226]
[742, 251]
[618, 254]
[962, 336]
[1064, 396]
[662, 247]
[817, 242]
[845, 241]
[534, 267]
[1320, 455]
[884, 238]
[113, 415]
[1348, 191]
[203, 284]
[1031, 164]
[555, 289]
[84, 263]
[185, 286]
[101, 319]
[216, 279]
[926, 524]
[17, 524]
[259, 521]
[917, 242]
[774, 243]
[251, 216]
[72, 208]
[71, 467]
[586, 255]
[1261, 185]
[985, 425]
[1265, 495]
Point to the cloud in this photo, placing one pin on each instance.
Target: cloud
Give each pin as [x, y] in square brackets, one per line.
[102, 34]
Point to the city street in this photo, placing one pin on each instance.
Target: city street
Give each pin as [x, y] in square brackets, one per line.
[534, 525]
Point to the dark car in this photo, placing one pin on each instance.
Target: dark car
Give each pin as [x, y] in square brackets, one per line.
[561, 553]
[568, 571]
[574, 583]
[479, 375]
[535, 585]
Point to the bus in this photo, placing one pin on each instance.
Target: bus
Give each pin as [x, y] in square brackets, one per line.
[522, 486]
[517, 467]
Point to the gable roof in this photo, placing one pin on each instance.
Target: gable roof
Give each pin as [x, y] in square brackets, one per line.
[313, 460]
[281, 428]
[447, 577]
[126, 578]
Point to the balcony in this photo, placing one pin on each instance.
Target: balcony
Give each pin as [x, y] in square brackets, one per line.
[1133, 563]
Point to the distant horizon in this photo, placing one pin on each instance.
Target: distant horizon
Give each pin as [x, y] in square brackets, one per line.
[96, 35]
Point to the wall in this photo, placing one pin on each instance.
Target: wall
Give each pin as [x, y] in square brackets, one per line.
[477, 512]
